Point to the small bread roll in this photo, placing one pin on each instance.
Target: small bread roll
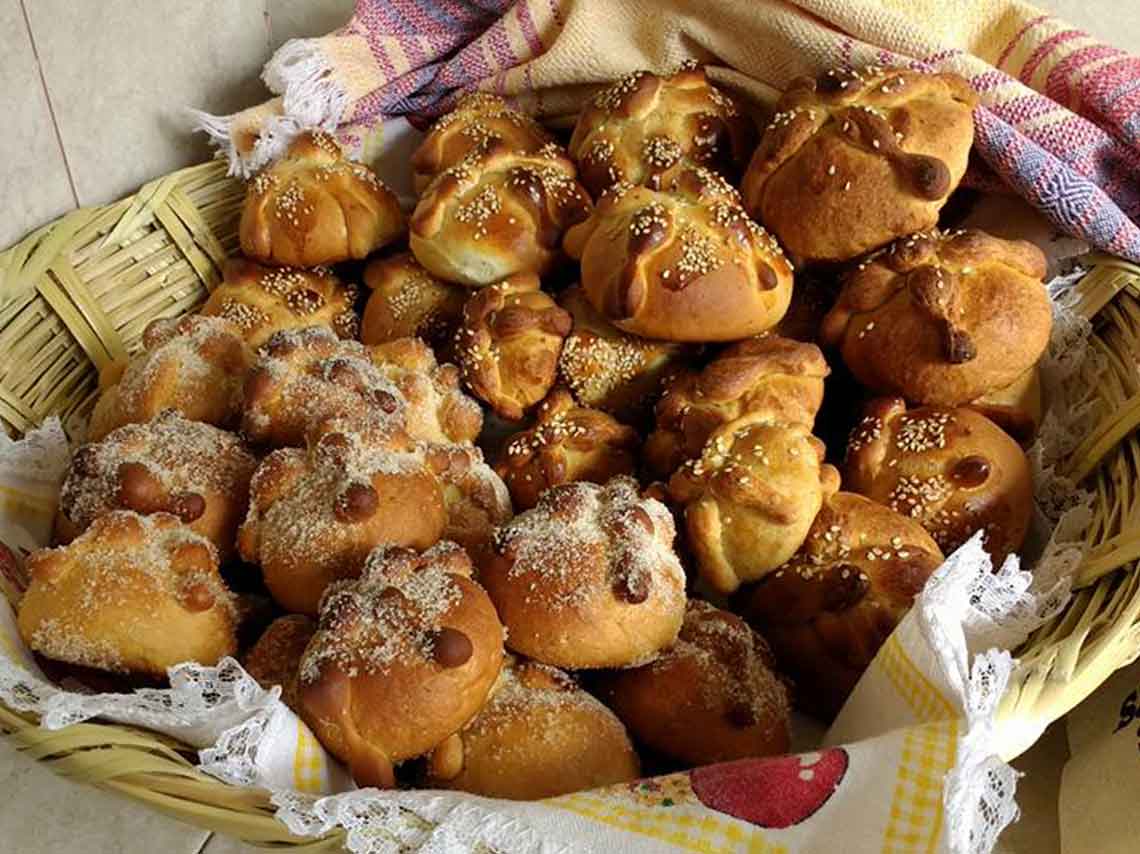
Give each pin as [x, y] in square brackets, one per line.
[750, 497]
[169, 465]
[712, 697]
[404, 656]
[496, 213]
[1017, 408]
[315, 514]
[303, 377]
[643, 125]
[567, 443]
[131, 594]
[508, 344]
[276, 657]
[194, 365]
[681, 263]
[476, 499]
[854, 159]
[477, 118]
[538, 736]
[408, 302]
[768, 373]
[951, 470]
[261, 300]
[827, 611]
[315, 207]
[943, 318]
[588, 577]
[612, 370]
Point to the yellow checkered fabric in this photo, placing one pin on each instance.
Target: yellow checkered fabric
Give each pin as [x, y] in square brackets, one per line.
[920, 695]
[916, 814]
[308, 762]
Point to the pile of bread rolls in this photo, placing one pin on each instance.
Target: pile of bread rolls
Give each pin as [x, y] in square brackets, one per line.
[663, 557]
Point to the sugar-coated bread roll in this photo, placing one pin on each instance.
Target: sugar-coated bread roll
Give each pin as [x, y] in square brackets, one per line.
[827, 611]
[496, 213]
[644, 124]
[303, 377]
[195, 365]
[942, 318]
[404, 656]
[538, 736]
[567, 443]
[682, 263]
[478, 118]
[588, 577]
[315, 514]
[169, 465]
[767, 373]
[314, 206]
[711, 697]
[275, 659]
[131, 594]
[612, 370]
[751, 496]
[409, 302]
[476, 499]
[854, 159]
[953, 471]
[261, 300]
[508, 344]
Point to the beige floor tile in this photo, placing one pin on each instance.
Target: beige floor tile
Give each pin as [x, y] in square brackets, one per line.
[120, 73]
[295, 19]
[33, 178]
[42, 813]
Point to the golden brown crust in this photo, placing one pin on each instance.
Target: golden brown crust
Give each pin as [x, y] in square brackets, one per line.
[132, 594]
[854, 159]
[477, 118]
[567, 443]
[508, 344]
[751, 496]
[315, 514]
[191, 364]
[612, 370]
[538, 736]
[476, 498]
[404, 656]
[408, 302]
[943, 318]
[643, 125]
[712, 697]
[261, 300]
[951, 470]
[682, 263]
[313, 207]
[169, 465]
[767, 373]
[276, 657]
[1017, 408]
[829, 609]
[588, 578]
[497, 213]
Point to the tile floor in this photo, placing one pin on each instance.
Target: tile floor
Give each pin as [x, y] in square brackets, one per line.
[88, 126]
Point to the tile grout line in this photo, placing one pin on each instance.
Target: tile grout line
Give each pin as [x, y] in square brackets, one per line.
[51, 109]
[205, 842]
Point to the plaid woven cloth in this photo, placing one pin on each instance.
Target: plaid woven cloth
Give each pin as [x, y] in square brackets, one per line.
[1059, 121]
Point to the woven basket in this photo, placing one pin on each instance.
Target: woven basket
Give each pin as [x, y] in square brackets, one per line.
[78, 293]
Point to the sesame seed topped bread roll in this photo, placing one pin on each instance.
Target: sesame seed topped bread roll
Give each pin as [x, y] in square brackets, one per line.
[408, 302]
[943, 318]
[477, 118]
[403, 657]
[588, 577]
[854, 159]
[681, 263]
[496, 213]
[261, 300]
[313, 207]
[644, 124]
[953, 471]
[131, 594]
[194, 365]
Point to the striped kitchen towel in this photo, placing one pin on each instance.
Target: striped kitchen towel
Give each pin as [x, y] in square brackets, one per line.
[1059, 120]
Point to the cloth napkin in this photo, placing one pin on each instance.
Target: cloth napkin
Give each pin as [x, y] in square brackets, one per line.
[1059, 121]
